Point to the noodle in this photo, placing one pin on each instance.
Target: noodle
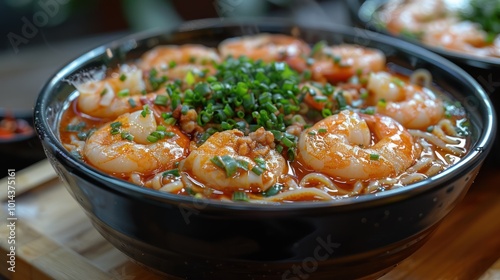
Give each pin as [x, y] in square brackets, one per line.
[437, 141]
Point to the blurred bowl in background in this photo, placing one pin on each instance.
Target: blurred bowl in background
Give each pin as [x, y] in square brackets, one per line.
[486, 70]
[19, 144]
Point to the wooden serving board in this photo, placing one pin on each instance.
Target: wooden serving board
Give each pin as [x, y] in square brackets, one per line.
[55, 240]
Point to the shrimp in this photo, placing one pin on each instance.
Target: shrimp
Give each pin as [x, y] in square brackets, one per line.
[341, 146]
[128, 151]
[266, 47]
[175, 62]
[411, 105]
[412, 16]
[339, 63]
[110, 97]
[457, 35]
[199, 164]
[317, 98]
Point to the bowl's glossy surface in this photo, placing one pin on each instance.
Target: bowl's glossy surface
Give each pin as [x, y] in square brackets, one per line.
[201, 239]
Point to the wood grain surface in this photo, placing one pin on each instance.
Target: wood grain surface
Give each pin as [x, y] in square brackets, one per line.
[55, 240]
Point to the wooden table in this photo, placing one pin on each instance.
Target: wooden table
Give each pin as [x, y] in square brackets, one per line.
[55, 240]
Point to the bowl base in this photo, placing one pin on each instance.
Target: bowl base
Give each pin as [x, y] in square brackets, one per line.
[172, 265]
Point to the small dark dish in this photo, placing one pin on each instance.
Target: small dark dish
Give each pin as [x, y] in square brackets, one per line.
[199, 239]
[19, 145]
[486, 70]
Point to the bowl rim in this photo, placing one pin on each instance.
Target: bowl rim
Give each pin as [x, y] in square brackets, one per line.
[359, 8]
[470, 161]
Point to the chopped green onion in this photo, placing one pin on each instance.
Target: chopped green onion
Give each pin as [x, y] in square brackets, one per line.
[398, 82]
[337, 59]
[76, 127]
[287, 142]
[172, 64]
[326, 112]
[257, 170]
[306, 75]
[261, 162]
[339, 97]
[318, 47]
[161, 128]
[368, 111]
[115, 124]
[123, 92]
[320, 98]
[227, 163]
[374, 156]
[152, 139]
[279, 148]
[170, 134]
[274, 190]
[364, 94]
[104, 91]
[189, 79]
[145, 111]
[123, 77]
[322, 130]
[161, 100]
[243, 164]
[81, 136]
[126, 135]
[240, 196]
[172, 172]
[132, 102]
[382, 103]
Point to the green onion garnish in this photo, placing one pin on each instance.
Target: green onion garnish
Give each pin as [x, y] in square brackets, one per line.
[123, 77]
[261, 162]
[322, 130]
[189, 79]
[123, 92]
[76, 127]
[318, 47]
[257, 170]
[172, 172]
[240, 196]
[127, 136]
[161, 100]
[374, 156]
[227, 163]
[274, 190]
[398, 82]
[132, 102]
[145, 111]
[382, 103]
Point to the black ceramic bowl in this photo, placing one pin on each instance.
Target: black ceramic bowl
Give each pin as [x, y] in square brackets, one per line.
[486, 70]
[200, 239]
[22, 149]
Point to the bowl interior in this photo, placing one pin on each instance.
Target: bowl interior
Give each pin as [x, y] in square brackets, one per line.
[401, 56]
